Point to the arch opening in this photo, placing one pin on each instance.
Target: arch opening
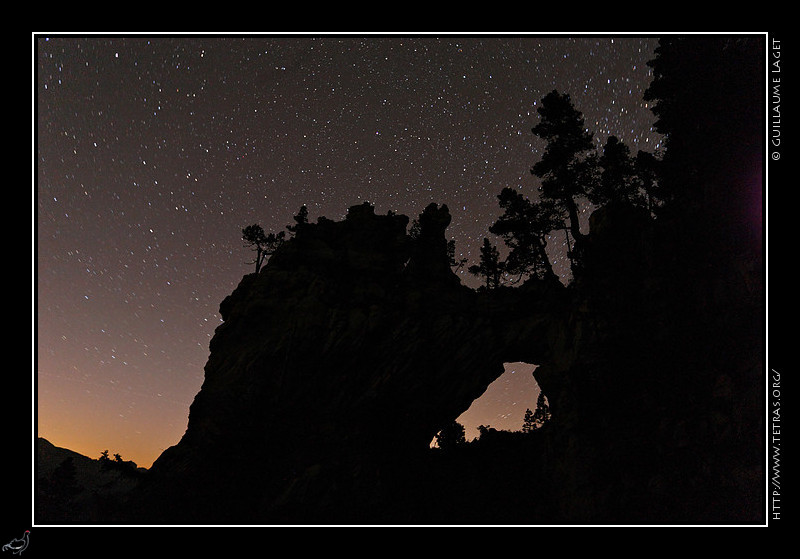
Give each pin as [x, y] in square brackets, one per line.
[504, 403]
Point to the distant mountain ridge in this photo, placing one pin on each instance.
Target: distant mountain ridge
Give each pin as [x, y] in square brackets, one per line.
[50, 456]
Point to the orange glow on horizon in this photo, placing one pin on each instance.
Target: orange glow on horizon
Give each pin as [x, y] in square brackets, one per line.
[83, 417]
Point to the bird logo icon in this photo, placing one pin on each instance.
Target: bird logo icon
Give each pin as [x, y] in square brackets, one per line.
[17, 546]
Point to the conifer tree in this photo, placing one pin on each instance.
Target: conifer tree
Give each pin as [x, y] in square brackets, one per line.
[524, 227]
[300, 219]
[564, 167]
[527, 423]
[617, 181]
[263, 244]
[542, 413]
[490, 266]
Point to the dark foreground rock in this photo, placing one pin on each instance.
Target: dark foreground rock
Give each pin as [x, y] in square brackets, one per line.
[337, 364]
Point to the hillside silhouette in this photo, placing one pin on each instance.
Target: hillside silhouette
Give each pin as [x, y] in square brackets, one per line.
[355, 343]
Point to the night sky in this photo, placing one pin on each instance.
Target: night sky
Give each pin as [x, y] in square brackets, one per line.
[153, 152]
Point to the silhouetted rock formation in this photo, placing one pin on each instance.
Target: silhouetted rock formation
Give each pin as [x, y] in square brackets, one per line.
[337, 364]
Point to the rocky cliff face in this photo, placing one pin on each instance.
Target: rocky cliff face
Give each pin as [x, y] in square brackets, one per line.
[337, 364]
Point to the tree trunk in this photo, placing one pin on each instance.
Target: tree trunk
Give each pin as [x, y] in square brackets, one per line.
[545, 260]
[574, 223]
[259, 259]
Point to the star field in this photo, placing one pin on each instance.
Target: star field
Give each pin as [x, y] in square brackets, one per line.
[153, 152]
